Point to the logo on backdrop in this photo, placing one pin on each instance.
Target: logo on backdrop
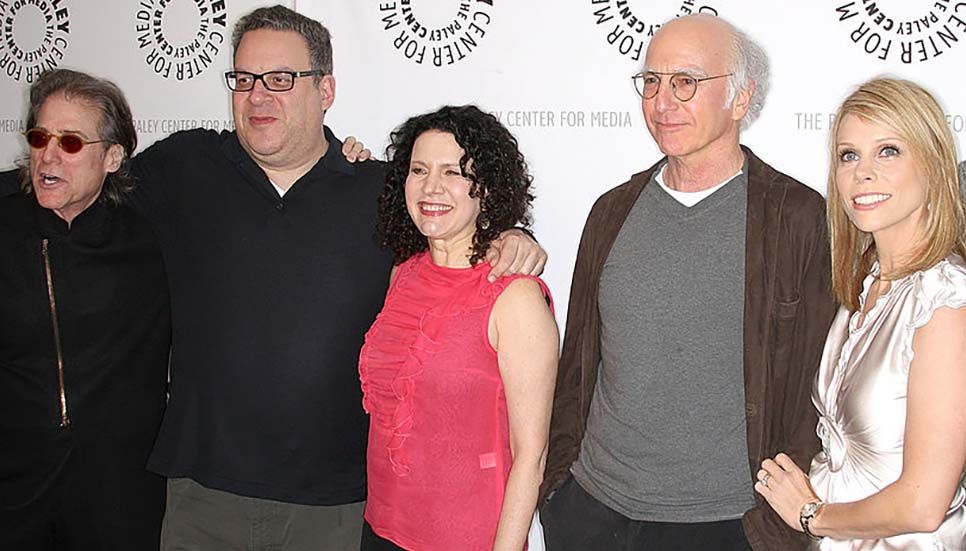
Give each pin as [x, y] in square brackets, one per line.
[34, 36]
[180, 39]
[436, 34]
[630, 24]
[911, 32]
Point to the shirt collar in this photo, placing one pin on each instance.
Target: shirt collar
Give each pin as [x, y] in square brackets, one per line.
[92, 226]
[333, 159]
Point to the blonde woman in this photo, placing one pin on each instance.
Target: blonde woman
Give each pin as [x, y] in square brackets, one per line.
[891, 384]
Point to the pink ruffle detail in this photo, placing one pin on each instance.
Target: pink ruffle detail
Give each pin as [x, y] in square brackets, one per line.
[403, 416]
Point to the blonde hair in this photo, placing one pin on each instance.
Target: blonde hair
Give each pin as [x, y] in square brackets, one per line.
[915, 115]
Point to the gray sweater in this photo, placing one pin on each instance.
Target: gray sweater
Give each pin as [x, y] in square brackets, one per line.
[665, 436]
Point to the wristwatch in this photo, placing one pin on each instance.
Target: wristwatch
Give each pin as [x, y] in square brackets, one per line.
[809, 510]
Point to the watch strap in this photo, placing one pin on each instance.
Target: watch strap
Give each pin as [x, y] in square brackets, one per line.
[807, 515]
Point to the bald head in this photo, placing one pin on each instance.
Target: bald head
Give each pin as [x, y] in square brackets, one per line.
[707, 35]
[723, 46]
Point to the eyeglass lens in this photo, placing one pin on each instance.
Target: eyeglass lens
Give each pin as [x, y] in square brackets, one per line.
[279, 81]
[682, 85]
[70, 143]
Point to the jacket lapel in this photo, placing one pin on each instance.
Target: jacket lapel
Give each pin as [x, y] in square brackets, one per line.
[763, 227]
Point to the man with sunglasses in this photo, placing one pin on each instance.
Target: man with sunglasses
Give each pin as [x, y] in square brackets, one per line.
[699, 305]
[85, 331]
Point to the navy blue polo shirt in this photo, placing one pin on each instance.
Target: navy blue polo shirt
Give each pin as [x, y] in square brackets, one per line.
[271, 298]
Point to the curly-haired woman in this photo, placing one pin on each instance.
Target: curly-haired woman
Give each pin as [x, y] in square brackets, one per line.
[457, 371]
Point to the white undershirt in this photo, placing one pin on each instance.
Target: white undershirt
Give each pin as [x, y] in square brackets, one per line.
[690, 198]
[281, 192]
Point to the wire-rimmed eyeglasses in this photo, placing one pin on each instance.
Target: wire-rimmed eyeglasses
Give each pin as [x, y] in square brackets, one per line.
[683, 85]
[274, 81]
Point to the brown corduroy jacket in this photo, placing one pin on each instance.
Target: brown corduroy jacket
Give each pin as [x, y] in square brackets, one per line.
[788, 310]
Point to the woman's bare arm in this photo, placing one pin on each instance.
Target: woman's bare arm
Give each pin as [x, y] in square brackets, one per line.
[524, 334]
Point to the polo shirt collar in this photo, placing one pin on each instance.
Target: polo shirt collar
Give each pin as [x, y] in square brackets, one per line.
[333, 159]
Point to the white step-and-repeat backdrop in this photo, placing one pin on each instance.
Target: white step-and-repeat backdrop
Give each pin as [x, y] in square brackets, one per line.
[556, 73]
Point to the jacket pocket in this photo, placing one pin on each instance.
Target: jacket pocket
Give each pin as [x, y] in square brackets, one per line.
[783, 338]
[787, 309]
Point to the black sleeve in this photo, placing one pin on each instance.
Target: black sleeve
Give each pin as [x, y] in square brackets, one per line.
[147, 168]
[155, 169]
[9, 182]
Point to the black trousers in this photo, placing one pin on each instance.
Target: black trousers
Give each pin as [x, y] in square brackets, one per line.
[371, 541]
[98, 497]
[574, 520]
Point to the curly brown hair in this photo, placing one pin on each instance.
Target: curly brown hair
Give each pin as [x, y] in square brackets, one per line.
[499, 177]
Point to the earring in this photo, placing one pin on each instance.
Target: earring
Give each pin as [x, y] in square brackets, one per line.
[484, 219]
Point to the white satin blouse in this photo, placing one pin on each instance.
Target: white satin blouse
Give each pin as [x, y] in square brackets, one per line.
[860, 394]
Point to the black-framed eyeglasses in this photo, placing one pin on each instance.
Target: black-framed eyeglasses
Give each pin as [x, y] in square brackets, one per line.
[274, 81]
[38, 138]
[683, 85]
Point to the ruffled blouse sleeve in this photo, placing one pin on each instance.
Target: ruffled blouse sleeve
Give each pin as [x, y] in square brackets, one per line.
[943, 285]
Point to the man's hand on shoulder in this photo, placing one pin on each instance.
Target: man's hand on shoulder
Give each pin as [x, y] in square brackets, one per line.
[515, 252]
[355, 150]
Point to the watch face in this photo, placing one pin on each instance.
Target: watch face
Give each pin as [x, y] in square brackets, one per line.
[810, 508]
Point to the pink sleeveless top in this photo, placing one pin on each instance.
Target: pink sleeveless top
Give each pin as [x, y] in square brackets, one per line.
[439, 448]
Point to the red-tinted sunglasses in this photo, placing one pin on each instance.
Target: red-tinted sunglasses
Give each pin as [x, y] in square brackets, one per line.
[70, 143]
